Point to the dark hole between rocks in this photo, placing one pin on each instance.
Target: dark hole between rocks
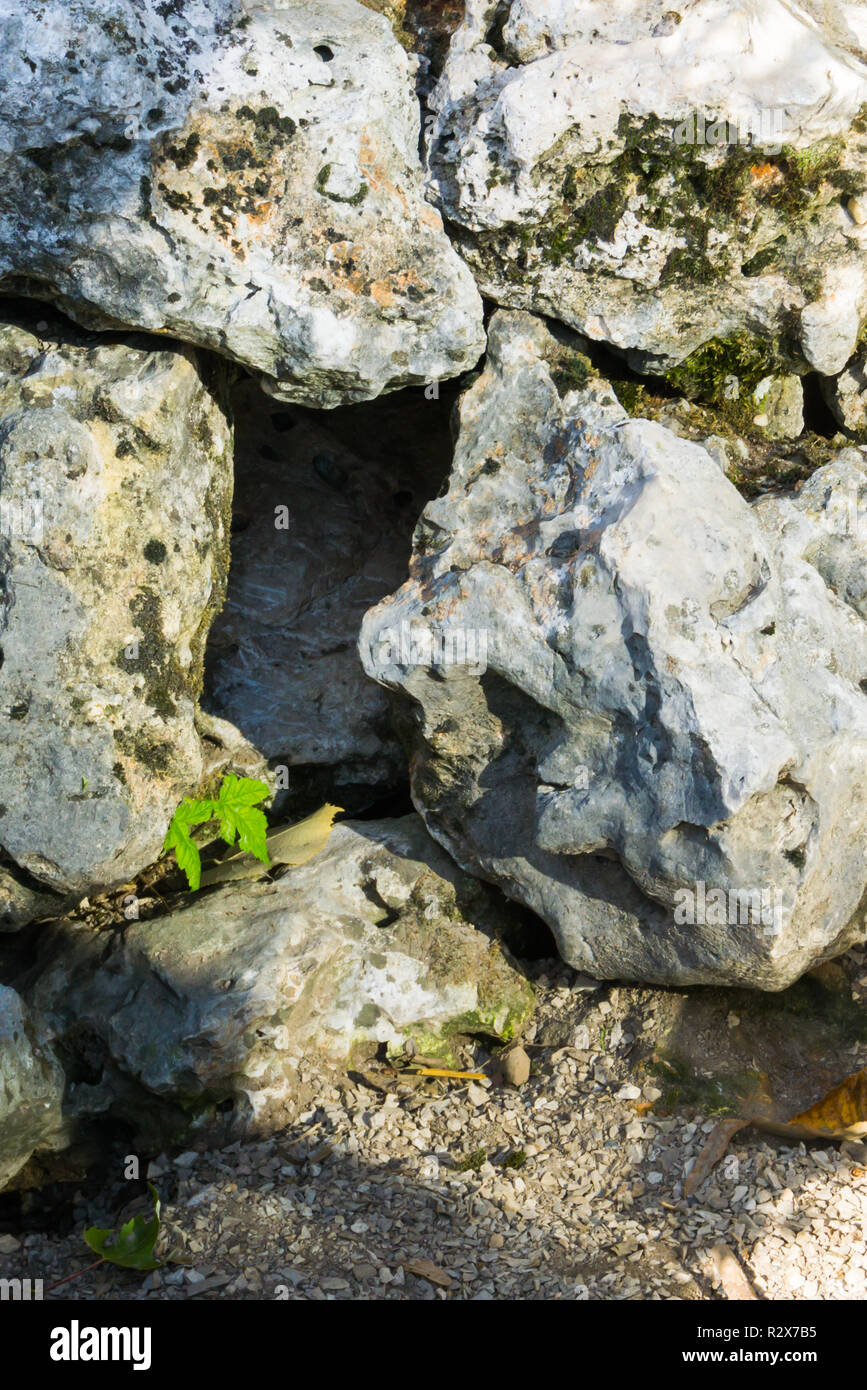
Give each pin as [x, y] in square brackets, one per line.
[323, 51]
[818, 415]
[324, 510]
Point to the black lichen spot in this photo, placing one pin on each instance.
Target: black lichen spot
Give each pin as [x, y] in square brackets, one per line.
[156, 659]
[184, 154]
[796, 857]
[155, 552]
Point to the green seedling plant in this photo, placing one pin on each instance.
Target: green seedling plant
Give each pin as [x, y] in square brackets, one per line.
[131, 1247]
[236, 811]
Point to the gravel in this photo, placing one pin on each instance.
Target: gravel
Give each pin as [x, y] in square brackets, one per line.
[568, 1186]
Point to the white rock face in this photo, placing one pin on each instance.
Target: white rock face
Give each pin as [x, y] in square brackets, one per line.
[658, 177]
[115, 500]
[242, 176]
[673, 696]
[375, 940]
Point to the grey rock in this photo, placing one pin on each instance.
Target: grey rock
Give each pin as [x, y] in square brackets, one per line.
[31, 1090]
[115, 486]
[244, 177]
[779, 406]
[846, 394]
[323, 528]
[666, 692]
[379, 939]
[629, 170]
[20, 905]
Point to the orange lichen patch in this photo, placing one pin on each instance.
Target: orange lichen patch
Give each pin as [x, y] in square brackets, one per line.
[591, 468]
[429, 217]
[260, 216]
[374, 171]
[385, 292]
[764, 176]
[340, 252]
[344, 268]
[224, 181]
[382, 294]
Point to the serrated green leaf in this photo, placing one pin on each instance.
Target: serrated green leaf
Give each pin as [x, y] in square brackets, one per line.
[132, 1247]
[186, 852]
[242, 791]
[195, 812]
[238, 816]
[234, 809]
[253, 834]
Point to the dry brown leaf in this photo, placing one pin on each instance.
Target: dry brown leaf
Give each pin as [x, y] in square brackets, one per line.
[426, 1269]
[842, 1113]
[717, 1142]
[735, 1284]
[292, 846]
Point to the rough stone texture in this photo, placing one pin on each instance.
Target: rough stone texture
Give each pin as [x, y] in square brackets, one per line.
[242, 177]
[322, 530]
[115, 485]
[31, 1090]
[376, 940]
[425, 28]
[20, 904]
[674, 689]
[846, 395]
[779, 403]
[555, 157]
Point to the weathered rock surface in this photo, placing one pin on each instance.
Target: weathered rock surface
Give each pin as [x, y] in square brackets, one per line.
[674, 698]
[115, 487]
[379, 939]
[20, 904]
[31, 1090]
[658, 178]
[425, 28]
[322, 530]
[846, 394]
[242, 177]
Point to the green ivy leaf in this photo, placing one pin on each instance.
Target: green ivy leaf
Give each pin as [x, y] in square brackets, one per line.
[132, 1247]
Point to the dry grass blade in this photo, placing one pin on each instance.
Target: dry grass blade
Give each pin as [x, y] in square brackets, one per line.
[445, 1071]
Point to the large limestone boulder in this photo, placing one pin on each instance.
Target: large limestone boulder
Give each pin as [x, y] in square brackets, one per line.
[661, 177]
[631, 699]
[115, 499]
[210, 1011]
[241, 176]
[31, 1090]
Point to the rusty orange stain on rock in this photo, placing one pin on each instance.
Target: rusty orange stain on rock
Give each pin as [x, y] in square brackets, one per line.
[382, 294]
